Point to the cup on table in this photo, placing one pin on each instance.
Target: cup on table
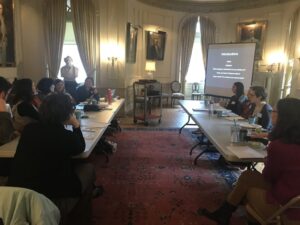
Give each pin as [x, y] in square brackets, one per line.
[78, 114]
[234, 133]
[219, 113]
[243, 135]
[252, 120]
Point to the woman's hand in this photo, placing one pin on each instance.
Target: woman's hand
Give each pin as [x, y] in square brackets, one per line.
[73, 121]
[95, 91]
[259, 135]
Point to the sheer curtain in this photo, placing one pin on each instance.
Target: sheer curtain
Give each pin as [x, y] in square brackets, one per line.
[290, 48]
[186, 41]
[208, 35]
[54, 29]
[85, 29]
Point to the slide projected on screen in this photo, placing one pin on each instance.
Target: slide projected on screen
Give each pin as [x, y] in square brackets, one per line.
[226, 64]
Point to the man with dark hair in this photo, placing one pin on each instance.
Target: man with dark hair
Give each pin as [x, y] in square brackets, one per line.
[6, 127]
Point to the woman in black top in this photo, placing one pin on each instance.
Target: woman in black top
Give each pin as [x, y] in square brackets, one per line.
[44, 87]
[87, 90]
[43, 157]
[24, 111]
[236, 101]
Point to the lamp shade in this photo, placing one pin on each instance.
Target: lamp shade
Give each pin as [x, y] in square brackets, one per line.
[150, 66]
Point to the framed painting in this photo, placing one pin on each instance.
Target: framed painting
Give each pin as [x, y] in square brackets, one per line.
[155, 42]
[7, 44]
[131, 43]
[253, 32]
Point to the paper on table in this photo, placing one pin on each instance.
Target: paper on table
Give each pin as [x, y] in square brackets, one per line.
[232, 118]
[201, 109]
[88, 136]
[245, 152]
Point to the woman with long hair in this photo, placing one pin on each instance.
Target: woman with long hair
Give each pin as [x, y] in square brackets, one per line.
[236, 101]
[24, 111]
[279, 180]
[59, 88]
[44, 87]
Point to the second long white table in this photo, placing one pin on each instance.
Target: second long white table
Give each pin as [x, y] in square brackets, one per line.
[217, 130]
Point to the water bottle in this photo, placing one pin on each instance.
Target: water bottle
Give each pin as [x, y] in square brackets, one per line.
[211, 109]
[109, 96]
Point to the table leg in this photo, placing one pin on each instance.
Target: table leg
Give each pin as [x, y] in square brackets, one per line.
[187, 123]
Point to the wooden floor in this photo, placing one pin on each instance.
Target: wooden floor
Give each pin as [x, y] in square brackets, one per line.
[171, 118]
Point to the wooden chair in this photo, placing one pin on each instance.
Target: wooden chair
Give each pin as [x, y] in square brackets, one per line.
[176, 92]
[196, 91]
[276, 218]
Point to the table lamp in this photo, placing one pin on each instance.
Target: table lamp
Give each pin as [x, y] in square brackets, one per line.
[150, 68]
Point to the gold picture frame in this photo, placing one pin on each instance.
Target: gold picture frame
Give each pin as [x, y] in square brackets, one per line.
[254, 31]
[131, 43]
[155, 42]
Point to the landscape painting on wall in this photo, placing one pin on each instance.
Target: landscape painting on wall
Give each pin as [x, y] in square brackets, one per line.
[131, 43]
[7, 46]
[253, 32]
[156, 42]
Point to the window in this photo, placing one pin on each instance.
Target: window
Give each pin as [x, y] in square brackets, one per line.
[70, 49]
[196, 71]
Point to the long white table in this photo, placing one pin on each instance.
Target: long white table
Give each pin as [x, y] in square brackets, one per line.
[217, 130]
[92, 128]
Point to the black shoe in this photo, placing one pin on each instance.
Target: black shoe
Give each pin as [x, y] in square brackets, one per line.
[97, 191]
[213, 216]
[222, 215]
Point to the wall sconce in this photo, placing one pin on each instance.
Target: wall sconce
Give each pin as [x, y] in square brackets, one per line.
[274, 67]
[113, 60]
[150, 68]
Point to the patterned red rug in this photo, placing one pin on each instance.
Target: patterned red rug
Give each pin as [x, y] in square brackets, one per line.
[151, 180]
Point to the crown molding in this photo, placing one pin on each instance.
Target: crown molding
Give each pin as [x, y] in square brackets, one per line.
[203, 6]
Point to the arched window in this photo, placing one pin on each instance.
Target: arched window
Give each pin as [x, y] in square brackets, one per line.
[196, 71]
[70, 48]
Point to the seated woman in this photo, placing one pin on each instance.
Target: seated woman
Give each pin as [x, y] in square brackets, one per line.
[236, 101]
[262, 110]
[7, 132]
[279, 181]
[87, 91]
[247, 107]
[24, 111]
[6, 127]
[59, 88]
[44, 87]
[43, 157]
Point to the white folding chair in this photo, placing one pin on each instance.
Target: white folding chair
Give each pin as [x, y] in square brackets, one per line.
[276, 217]
[24, 206]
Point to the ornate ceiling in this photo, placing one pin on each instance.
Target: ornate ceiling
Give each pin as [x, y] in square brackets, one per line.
[206, 6]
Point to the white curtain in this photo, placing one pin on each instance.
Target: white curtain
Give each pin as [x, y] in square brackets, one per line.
[54, 30]
[186, 36]
[85, 29]
[290, 47]
[208, 35]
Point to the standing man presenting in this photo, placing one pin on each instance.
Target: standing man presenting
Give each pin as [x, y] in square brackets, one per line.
[70, 72]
